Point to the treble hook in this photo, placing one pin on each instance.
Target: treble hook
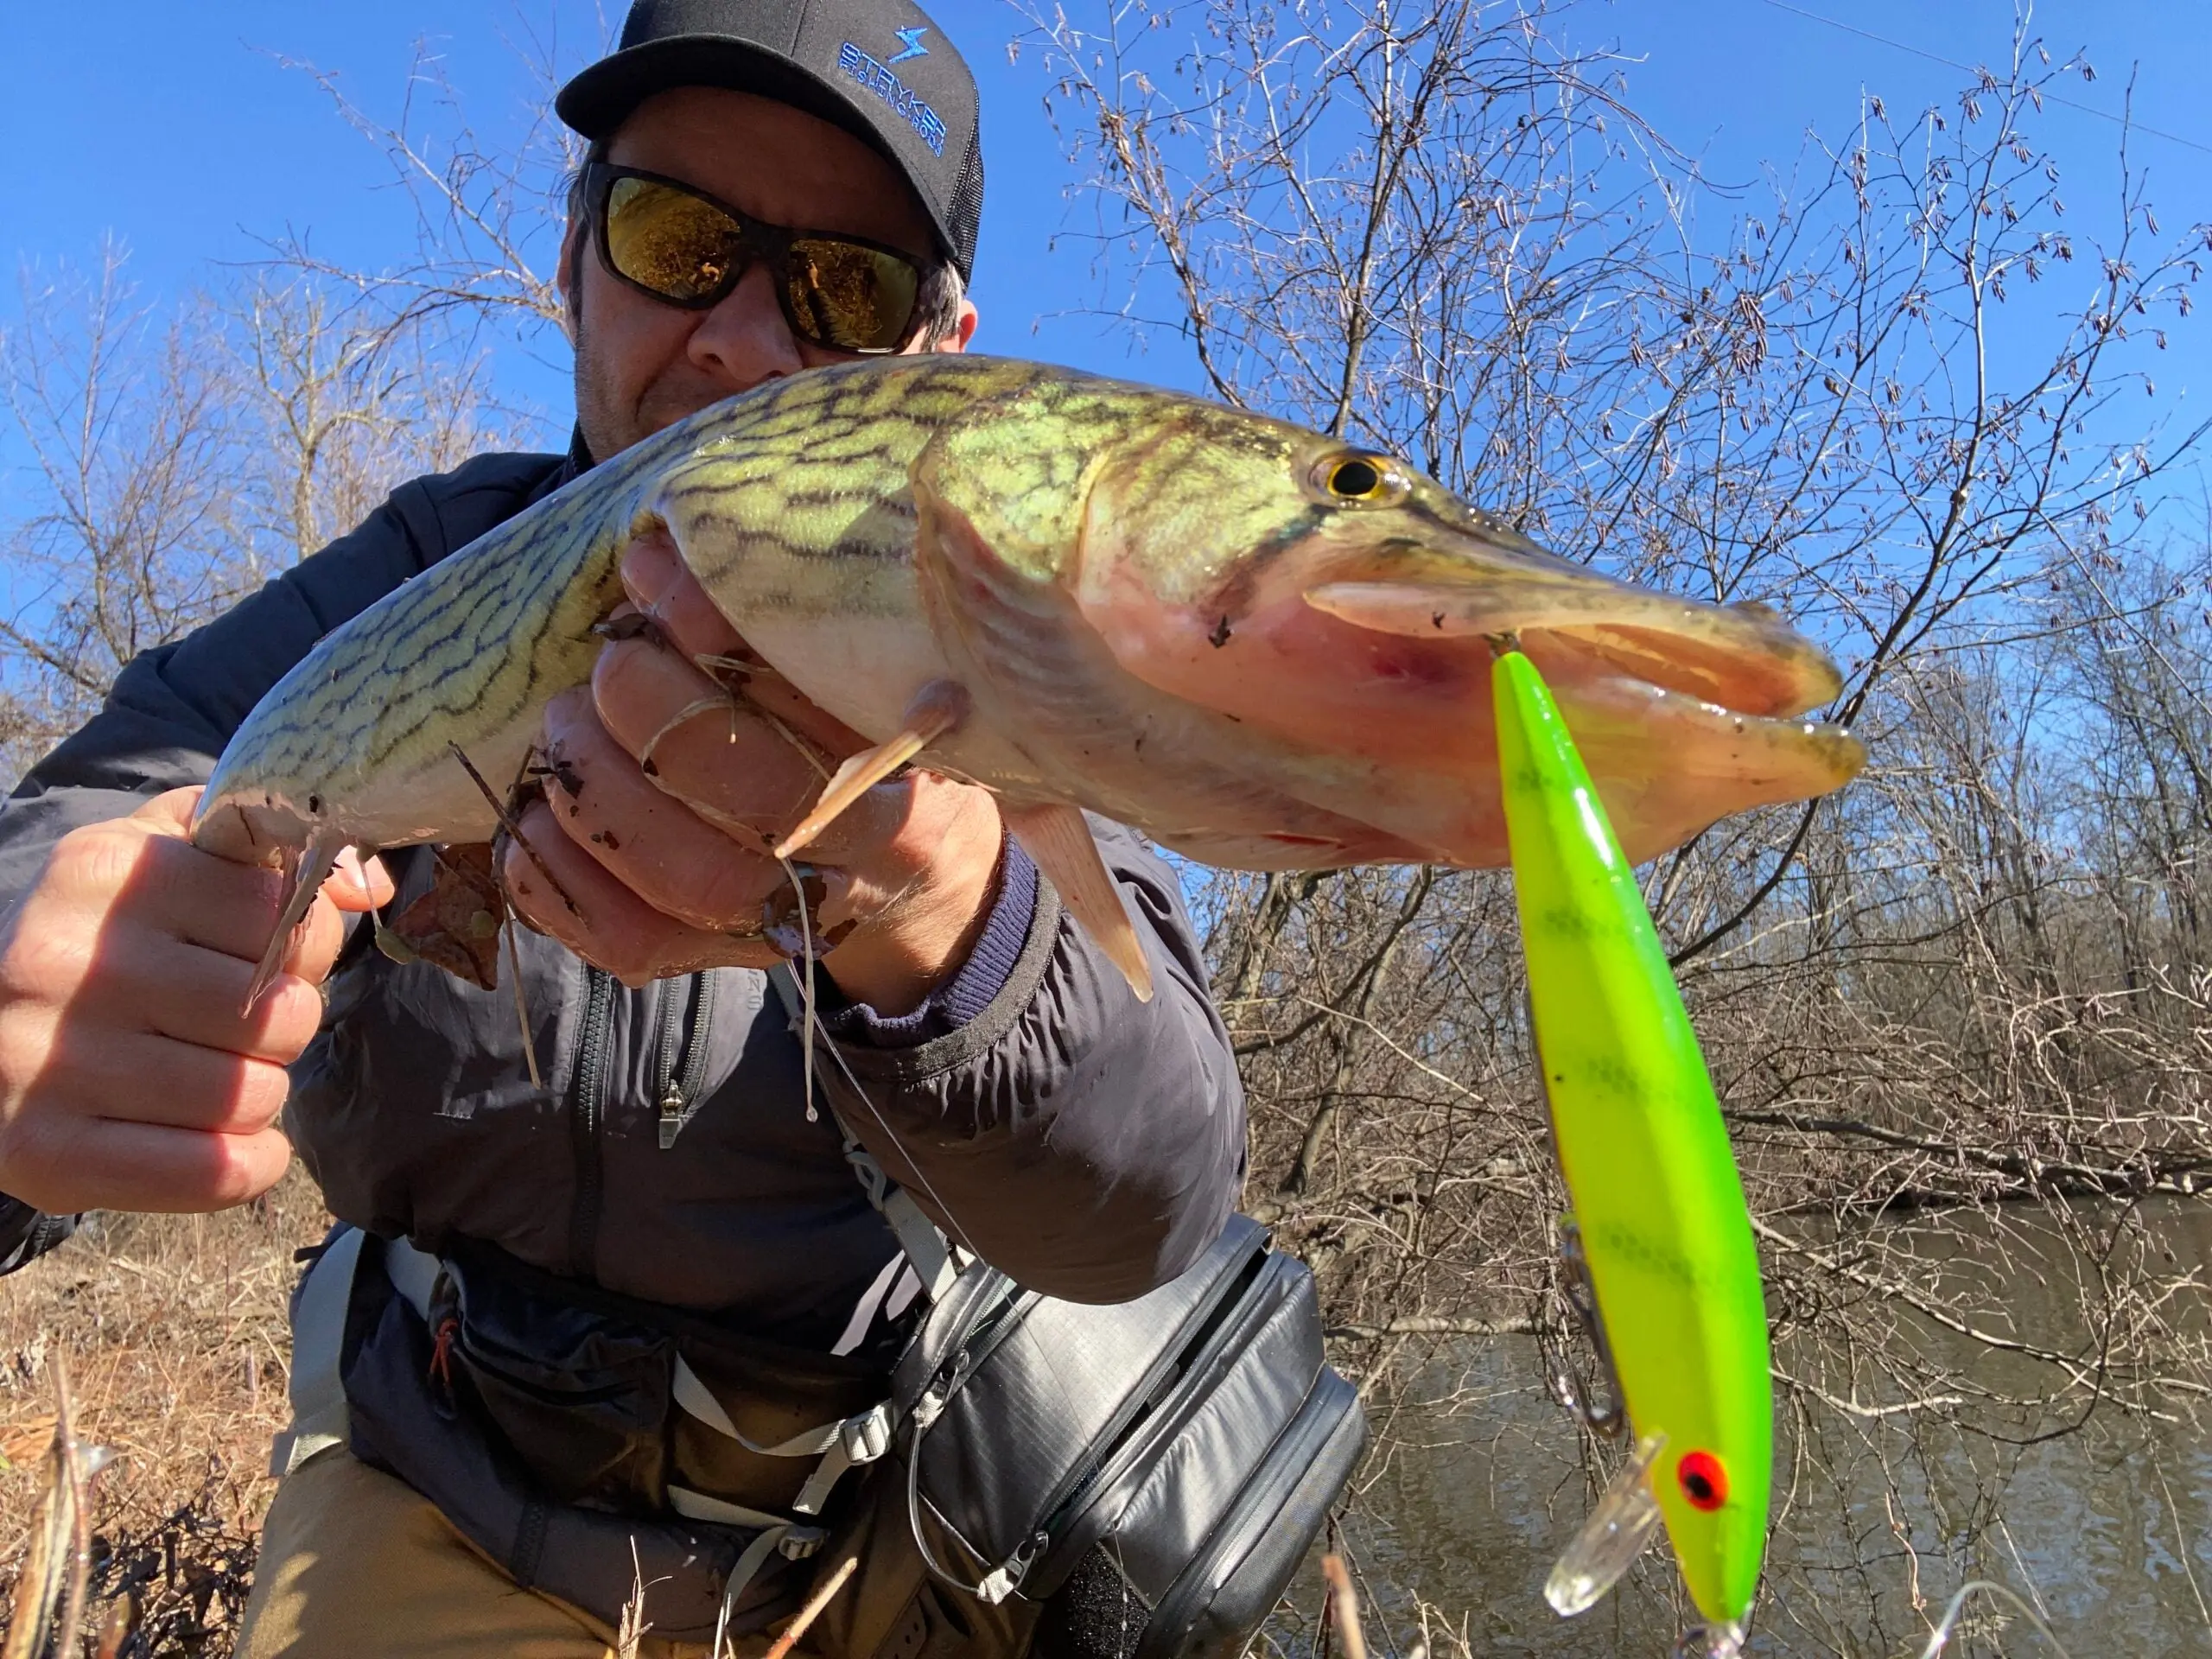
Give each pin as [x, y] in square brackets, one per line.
[1606, 1419]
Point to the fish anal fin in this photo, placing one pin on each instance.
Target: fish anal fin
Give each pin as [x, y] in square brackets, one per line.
[1059, 841]
[313, 865]
[937, 708]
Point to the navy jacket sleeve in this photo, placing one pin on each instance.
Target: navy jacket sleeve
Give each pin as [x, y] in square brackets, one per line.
[1087, 1144]
[172, 710]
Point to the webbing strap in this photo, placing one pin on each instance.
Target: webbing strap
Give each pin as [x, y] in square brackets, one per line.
[861, 1438]
[778, 1535]
[316, 1391]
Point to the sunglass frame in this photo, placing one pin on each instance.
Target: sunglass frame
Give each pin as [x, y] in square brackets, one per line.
[760, 241]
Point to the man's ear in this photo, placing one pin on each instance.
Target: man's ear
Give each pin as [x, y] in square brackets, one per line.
[566, 274]
[963, 331]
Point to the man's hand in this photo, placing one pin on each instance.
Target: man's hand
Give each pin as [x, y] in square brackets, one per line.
[664, 793]
[130, 1076]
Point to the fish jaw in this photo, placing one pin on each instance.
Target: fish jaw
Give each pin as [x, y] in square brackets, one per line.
[1368, 629]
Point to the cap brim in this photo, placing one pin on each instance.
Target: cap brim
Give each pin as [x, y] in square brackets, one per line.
[601, 98]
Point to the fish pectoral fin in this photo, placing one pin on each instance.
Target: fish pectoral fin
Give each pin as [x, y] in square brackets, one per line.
[314, 864]
[937, 708]
[1614, 1535]
[1059, 841]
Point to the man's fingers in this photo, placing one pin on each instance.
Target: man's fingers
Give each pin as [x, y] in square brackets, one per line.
[651, 842]
[610, 925]
[198, 996]
[654, 577]
[708, 751]
[358, 884]
[110, 1165]
[140, 1077]
[162, 880]
[170, 812]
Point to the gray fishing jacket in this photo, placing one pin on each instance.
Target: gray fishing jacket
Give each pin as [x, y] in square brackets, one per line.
[1088, 1145]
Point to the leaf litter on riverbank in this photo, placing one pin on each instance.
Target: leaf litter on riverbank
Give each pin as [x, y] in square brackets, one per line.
[174, 1334]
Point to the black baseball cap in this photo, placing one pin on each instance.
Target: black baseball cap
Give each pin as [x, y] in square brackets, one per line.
[880, 69]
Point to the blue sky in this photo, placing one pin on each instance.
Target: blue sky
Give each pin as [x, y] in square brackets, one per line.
[172, 126]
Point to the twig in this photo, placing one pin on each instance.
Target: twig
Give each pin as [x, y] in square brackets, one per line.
[812, 1611]
[1344, 1603]
[522, 1003]
[514, 830]
[50, 1589]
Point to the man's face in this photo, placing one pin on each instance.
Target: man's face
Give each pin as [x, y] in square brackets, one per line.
[642, 365]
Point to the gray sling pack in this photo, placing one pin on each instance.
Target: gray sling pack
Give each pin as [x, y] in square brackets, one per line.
[1137, 1481]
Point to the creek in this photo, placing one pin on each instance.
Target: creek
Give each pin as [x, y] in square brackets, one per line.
[1471, 1490]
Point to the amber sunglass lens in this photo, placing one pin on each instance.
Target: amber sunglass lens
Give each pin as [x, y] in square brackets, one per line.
[850, 297]
[669, 241]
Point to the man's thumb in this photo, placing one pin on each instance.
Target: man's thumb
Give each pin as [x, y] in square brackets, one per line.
[170, 813]
[358, 883]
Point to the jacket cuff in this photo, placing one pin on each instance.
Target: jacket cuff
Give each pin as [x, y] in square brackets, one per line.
[963, 997]
[26, 1235]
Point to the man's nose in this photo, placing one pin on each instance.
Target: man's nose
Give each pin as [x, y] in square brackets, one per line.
[744, 341]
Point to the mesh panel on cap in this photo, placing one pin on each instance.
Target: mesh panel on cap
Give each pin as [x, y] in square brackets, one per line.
[964, 213]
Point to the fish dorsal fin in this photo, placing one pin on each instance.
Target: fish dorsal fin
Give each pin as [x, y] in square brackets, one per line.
[1058, 840]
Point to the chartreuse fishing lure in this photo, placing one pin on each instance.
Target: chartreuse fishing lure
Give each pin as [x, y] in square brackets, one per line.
[1659, 1226]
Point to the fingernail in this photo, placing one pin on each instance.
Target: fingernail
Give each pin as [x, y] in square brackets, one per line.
[649, 570]
[567, 711]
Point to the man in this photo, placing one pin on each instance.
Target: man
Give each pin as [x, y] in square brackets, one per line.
[669, 1175]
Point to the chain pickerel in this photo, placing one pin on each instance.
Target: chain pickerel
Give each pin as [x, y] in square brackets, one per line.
[1262, 647]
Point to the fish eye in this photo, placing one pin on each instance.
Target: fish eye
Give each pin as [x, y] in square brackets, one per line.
[1704, 1482]
[1366, 480]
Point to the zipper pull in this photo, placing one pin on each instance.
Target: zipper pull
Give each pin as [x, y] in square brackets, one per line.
[671, 1116]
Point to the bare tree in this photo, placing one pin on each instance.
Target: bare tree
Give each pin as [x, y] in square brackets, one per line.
[1953, 1014]
[181, 457]
[1958, 1016]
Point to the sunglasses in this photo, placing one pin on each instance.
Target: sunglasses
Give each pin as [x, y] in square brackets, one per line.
[683, 247]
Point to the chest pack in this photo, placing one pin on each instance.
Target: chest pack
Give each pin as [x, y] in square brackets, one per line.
[1009, 1472]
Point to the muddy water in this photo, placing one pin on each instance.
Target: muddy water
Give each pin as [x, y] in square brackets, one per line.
[2107, 1531]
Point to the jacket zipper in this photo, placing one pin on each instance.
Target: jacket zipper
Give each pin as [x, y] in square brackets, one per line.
[584, 1119]
[684, 1053]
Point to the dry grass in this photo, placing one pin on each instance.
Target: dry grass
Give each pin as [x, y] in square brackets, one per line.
[175, 1335]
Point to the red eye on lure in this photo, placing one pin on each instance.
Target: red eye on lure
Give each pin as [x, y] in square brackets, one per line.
[1704, 1482]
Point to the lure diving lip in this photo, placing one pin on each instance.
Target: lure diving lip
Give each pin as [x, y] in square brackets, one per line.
[1664, 1236]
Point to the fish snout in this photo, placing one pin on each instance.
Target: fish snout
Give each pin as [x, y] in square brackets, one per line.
[1742, 657]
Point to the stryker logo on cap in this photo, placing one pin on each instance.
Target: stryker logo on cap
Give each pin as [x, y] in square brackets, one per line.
[829, 58]
[879, 79]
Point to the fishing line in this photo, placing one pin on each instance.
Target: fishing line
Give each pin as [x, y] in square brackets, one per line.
[812, 1028]
[1957, 1605]
[2126, 121]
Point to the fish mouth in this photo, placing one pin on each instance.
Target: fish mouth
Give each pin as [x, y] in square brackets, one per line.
[1683, 712]
[1738, 659]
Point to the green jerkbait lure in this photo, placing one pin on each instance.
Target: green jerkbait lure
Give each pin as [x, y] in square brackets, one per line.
[1665, 1236]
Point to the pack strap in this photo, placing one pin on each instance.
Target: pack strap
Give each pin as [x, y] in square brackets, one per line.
[316, 1390]
[861, 1438]
[777, 1535]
